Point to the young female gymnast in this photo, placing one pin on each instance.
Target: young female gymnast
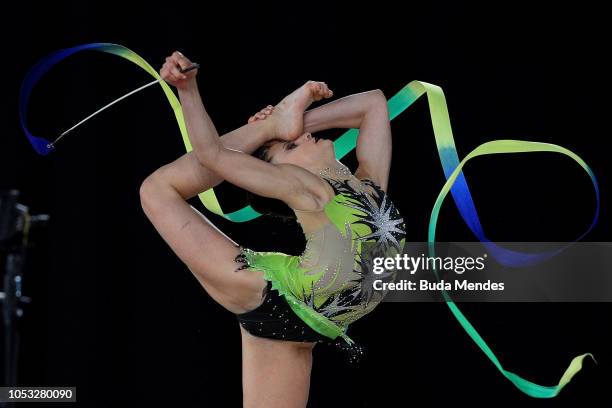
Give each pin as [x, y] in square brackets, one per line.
[285, 304]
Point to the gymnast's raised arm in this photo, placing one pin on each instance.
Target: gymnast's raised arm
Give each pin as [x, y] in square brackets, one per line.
[366, 111]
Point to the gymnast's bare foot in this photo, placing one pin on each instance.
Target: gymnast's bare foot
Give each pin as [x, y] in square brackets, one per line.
[288, 115]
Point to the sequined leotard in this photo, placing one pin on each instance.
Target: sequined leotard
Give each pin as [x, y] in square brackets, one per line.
[329, 285]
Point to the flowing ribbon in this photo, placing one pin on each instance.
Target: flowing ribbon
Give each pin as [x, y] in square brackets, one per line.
[488, 148]
[456, 183]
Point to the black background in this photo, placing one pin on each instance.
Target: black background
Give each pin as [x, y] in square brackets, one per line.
[116, 314]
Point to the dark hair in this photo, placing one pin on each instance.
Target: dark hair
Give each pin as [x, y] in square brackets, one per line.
[264, 205]
[263, 150]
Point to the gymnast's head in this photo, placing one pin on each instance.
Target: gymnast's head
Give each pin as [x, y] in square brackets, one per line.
[305, 151]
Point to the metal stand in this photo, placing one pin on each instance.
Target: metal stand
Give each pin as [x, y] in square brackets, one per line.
[12, 311]
[15, 224]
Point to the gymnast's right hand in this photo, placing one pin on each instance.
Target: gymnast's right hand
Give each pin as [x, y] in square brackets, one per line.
[170, 71]
[262, 114]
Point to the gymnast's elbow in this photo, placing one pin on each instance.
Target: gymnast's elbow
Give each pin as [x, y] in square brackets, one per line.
[151, 193]
[377, 98]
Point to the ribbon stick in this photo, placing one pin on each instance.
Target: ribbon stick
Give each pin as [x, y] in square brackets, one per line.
[101, 110]
[456, 183]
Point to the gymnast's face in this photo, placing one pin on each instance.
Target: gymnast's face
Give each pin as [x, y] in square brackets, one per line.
[305, 151]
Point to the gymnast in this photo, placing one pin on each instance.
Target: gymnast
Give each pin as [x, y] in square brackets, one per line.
[284, 304]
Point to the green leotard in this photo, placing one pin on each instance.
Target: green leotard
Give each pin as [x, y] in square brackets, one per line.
[329, 285]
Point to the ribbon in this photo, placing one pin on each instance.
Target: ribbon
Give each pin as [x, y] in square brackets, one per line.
[44, 147]
[455, 184]
[488, 148]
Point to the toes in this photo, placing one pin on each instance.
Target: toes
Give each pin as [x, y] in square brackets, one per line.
[315, 90]
[327, 93]
[322, 90]
[252, 119]
[313, 86]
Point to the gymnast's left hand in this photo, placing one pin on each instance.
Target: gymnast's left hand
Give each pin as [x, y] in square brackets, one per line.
[170, 71]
